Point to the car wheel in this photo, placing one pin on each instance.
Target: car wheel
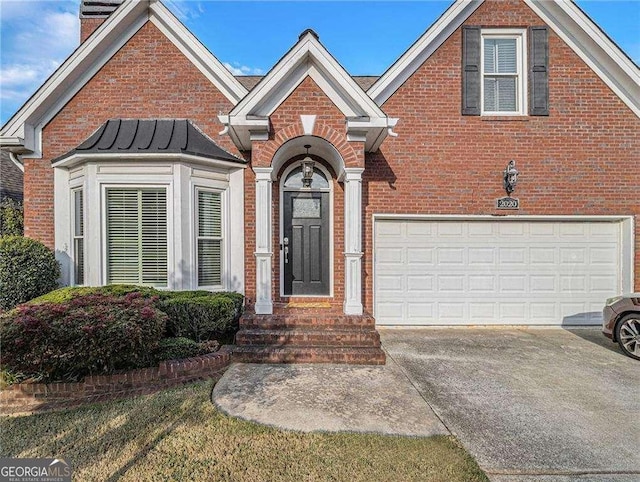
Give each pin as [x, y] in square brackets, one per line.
[628, 335]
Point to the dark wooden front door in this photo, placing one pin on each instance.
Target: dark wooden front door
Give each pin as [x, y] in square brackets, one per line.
[305, 243]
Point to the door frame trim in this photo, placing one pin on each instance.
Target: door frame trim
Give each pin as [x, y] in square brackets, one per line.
[281, 190]
[627, 236]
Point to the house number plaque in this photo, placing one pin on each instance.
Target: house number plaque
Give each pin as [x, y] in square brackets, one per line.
[507, 203]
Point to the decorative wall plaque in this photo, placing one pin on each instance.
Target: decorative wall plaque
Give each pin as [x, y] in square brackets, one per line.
[507, 203]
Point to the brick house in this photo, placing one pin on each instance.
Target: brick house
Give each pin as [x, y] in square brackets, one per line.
[338, 201]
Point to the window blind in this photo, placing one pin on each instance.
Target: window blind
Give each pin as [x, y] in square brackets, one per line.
[500, 94]
[500, 70]
[209, 238]
[500, 56]
[78, 236]
[137, 236]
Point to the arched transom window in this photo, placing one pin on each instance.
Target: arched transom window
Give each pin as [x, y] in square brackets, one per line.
[294, 179]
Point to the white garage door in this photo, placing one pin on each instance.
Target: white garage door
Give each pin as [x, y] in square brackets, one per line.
[494, 272]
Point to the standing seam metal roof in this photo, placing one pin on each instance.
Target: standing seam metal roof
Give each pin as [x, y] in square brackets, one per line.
[151, 136]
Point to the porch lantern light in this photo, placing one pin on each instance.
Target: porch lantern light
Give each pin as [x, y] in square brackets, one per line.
[307, 169]
[510, 177]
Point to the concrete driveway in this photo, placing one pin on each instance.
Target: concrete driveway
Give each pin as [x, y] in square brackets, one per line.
[529, 404]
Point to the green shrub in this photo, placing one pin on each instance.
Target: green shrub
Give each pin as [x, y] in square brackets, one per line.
[176, 348]
[201, 316]
[11, 218]
[27, 269]
[8, 378]
[209, 346]
[198, 315]
[67, 293]
[88, 334]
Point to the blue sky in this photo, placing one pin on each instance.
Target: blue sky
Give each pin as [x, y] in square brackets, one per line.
[249, 37]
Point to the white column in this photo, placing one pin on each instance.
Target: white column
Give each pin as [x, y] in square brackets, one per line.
[353, 240]
[264, 250]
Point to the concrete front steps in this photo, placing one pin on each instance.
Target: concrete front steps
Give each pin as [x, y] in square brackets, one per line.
[308, 336]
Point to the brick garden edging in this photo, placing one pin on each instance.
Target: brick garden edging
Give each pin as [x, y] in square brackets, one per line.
[34, 397]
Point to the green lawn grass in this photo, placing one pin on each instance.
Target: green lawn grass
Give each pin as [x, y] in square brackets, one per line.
[179, 435]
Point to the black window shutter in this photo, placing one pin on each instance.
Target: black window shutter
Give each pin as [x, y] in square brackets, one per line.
[471, 71]
[539, 71]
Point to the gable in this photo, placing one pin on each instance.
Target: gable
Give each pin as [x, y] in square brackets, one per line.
[23, 132]
[147, 78]
[307, 99]
[308, 58]
[593, 47]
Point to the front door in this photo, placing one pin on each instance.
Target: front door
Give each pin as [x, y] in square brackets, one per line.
[305, 243]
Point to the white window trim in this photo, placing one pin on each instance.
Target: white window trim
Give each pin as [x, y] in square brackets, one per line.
[170, 229]
[179, 176]
[224, 275]
[520, 34]
[282, 189]
[72, 247]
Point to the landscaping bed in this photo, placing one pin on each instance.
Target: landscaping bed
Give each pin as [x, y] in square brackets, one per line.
[22, 398]
[55, 347]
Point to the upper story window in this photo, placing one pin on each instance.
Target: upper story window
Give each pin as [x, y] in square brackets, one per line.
[503, 71]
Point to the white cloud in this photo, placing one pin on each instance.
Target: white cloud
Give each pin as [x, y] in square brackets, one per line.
[37, 36]
[13, 75]
[237, 69]
[185, 10]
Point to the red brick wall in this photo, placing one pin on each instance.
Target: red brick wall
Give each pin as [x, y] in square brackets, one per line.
[148, 78]
[307, 98]
[584, 158]
[88, 26]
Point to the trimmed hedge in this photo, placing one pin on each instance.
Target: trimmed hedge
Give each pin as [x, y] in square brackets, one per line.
[180, 347]
[175, 349]
[27, 269]
[68, 293]
[90, 334]
[201, 317]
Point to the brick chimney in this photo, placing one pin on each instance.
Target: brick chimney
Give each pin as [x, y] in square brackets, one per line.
[93, 13]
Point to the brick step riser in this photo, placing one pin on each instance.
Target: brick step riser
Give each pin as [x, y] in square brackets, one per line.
[320, 338]
[318, 357]
[281, 323]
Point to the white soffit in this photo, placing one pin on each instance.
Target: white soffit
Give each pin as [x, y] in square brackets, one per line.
[23, 132]
[570, 23]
